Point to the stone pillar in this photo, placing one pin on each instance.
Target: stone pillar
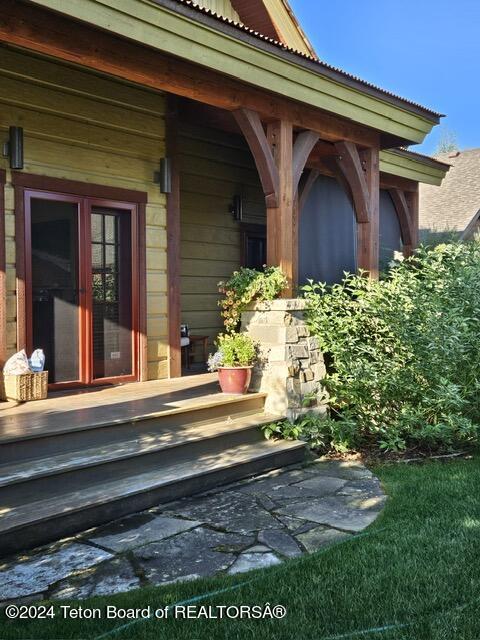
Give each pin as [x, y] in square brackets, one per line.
[291, 366]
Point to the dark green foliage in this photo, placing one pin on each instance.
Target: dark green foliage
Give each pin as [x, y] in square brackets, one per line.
[404, 352]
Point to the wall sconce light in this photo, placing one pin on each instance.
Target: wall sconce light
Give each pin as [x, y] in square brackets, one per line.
[165, 175]
[13, 149]
[236, 208]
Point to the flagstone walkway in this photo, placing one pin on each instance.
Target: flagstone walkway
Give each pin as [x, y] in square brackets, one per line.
[248, 525]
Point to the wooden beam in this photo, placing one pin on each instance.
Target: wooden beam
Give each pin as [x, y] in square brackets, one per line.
[282, 220]
[413, 206]
[252, 128]
[302, 148]
[368, 233]
[389, 181]
[404, 218]
[350, 164]
[36, 29]
[173, 244]
[3, 273]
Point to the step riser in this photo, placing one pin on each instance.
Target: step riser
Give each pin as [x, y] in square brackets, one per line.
[54, 444]
[31, 490]
[64, 525]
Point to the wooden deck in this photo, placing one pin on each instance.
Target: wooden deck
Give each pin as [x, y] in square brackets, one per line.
[77, 460]
[73, 410]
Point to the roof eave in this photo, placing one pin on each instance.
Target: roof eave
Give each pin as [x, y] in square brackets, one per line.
[180, 30]
[413, 166]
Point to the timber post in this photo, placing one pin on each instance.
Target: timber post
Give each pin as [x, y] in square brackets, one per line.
[361, 171]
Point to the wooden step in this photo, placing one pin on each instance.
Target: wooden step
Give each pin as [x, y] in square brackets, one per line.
[63, 432]
[69, 510]
[142, 444]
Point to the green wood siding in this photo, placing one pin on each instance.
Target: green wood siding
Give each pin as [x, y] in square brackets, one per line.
[81, 126]
[214, 167]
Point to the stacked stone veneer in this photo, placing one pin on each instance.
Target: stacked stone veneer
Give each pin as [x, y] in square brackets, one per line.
[291, 365]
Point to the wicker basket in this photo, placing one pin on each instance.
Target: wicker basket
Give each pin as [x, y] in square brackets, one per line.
[25, 386]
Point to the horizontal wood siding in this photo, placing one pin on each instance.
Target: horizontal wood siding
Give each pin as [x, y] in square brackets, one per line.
[214, 167]
[81, 126]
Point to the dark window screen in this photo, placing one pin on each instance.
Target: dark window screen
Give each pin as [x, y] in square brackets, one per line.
[390, 234]
[254, 240]
[327, 234]
[55, 286]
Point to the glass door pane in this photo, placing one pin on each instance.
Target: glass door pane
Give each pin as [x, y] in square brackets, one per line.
[55, 286]
[111, 292]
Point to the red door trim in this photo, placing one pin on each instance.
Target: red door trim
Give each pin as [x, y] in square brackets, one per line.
[3, 272]
[86, 194]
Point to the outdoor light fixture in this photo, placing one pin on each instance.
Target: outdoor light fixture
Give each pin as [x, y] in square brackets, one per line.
[165, 175]
[236, 208]
[13, 149]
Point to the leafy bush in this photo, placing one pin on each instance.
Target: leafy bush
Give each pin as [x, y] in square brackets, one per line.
[403, 352]
[234, 350]
[245, 286]
[311, 427]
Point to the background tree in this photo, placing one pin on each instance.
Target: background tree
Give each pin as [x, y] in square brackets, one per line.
[448, 143]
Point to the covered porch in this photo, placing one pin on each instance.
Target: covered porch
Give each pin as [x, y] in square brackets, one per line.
[335, 127]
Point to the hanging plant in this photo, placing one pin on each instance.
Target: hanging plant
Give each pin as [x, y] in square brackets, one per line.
[245, 286]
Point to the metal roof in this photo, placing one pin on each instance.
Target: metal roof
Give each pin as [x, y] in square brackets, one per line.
[316, 64]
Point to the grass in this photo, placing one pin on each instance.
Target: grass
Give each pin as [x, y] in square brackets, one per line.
[418, 566]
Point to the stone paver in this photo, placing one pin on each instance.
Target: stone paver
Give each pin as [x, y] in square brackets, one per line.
[35, 573]
[231, 510]
[199, 552]
[316, 538]
[334, 511]
[249, 561]
[139, 530]
[252, 524]
[108, 578]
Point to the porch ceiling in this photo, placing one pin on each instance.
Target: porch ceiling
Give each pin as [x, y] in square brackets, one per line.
[181, 31]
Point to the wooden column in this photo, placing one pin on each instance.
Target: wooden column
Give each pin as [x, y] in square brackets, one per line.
[412, 198]
[173, 244]
[282, 225]
[360, 171]
[280, 164]
[368, 238]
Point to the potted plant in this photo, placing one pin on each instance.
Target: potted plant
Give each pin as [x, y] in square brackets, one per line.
[234, 360]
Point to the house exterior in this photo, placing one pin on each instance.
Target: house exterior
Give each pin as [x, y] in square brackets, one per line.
[453, 210]
[152, 147]
[167, 143]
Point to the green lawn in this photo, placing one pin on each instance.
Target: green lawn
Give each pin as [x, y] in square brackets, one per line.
[418, 565]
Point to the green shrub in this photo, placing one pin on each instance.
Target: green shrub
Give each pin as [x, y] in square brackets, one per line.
[314, 429]
[245, 286]
[403, 353]
[236, 349]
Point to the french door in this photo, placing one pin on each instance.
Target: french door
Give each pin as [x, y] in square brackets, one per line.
[81, 287]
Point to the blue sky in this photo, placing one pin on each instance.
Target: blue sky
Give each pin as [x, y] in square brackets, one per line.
[424, 50]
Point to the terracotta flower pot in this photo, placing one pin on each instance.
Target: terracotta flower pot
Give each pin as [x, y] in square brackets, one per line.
[234, 380]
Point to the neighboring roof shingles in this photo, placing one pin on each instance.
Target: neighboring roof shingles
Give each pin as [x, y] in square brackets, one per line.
[327, 67]
[452, 206]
